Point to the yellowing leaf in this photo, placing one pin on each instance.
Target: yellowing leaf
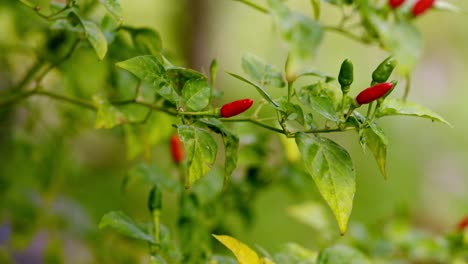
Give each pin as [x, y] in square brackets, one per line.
[243, 253]
[291, 149]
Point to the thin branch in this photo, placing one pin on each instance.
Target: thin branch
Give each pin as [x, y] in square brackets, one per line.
[75, 101]
[15, 98]
[329, 130]
[253, 121]
[348, 34]
[254, 6]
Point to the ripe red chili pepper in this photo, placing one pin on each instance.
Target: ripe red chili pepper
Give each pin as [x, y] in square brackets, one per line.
[394, 4]
[422, 6]
[236, 107]
[373, 93]
[463, 224]
[177, 149]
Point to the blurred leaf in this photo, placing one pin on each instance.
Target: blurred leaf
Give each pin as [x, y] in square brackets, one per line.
[231, 146]
[125, 225]
[341, 254]
[157, 260]
[400, 107]
[151, 175]
[147, 40]
[107, 115]
[302, 33]
[377, 142]
[96, 38]
[447, 6]
[319, 102]
[217, 259]
[243, 253]
[403, 40]
[293, 253]
[260, 89]
[310, 213]
[149, 69]
[196, 93]
[331, 167]
[201, 151]
[113, 6]
[259, 71]
[141, 137]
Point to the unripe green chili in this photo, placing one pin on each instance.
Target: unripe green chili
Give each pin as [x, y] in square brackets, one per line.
[155, 199]
[345, 77]
[384, 70]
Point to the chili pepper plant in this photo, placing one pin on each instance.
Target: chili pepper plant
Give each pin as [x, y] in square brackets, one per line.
[185, 143]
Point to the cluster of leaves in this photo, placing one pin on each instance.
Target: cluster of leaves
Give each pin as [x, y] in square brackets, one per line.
[166, 94]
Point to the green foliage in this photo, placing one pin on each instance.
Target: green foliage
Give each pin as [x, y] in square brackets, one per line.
[140, 95]
[331, 167]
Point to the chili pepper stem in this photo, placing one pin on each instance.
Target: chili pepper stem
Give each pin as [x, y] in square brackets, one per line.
[155, 215]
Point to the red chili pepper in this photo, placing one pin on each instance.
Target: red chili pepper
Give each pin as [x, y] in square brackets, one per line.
[373, 93]
[422, 6]
[236, 107]
[463, 224]
[177, 149]
[394, 4]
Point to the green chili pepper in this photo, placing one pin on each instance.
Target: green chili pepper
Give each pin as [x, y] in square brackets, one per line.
[155, 199]
[345, 77]
[384, 70]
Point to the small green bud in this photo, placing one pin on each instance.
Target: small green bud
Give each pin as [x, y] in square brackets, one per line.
[345, 77]
[384, 70]
[155, 199]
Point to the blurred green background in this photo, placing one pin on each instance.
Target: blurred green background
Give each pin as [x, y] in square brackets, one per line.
[83, 168]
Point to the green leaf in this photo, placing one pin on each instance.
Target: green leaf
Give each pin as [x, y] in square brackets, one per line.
[331, 168]
[201, 152]
[147, 40]
[403, 40]
[179, 75]
[293, 112]
[125, 225]
[341, 254]
[318, 101]
[196, 94]
[243, 253]
[400, 107]
[262, 73]
[107, 115]
[231, 146]
[302, 33]
[149, 69]
[113, 6]
[376, 141]
[96, 38]
[262, 92]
